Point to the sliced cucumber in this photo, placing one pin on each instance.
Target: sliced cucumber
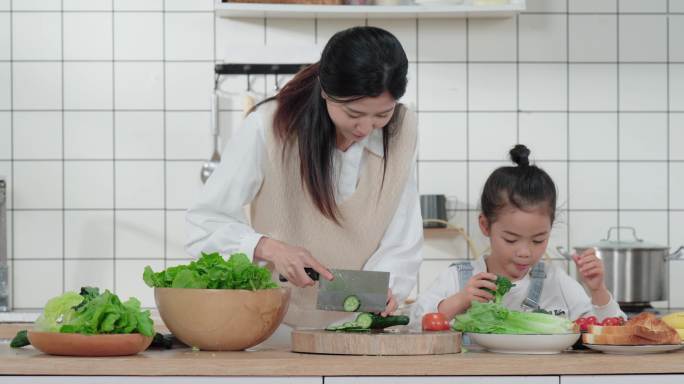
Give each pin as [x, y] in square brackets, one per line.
[351, 303]
[364, 320]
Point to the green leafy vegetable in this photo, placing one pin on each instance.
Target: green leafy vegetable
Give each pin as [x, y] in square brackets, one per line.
[107, 314]
[503, 285]
[493, 317]
[57, 311]
[211, 271]
[93, 313]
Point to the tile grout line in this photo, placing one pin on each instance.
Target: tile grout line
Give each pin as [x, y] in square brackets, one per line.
[617, 57]
[642, 13]
[428, 160]
[62, 138]
[114, 164]
[164, 123]
[482, 111]
[190, 61]
[12, 171]
[417, 24]
[567, 128]
[667, 150]
[199, 61]
[517, 78]
[668, 126]
[467, 117]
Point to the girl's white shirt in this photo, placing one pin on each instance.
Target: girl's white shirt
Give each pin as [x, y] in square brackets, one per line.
[560, 292]
[217, 221]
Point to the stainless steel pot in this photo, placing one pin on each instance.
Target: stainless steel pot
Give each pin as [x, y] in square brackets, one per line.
[635, 271]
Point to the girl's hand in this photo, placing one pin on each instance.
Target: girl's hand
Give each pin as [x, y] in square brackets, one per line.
[290, 261]
[391, 304]
[591, 270]
[474, 288]
[460, 302]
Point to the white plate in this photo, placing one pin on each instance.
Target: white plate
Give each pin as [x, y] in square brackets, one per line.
[634, 349]
[525, 344]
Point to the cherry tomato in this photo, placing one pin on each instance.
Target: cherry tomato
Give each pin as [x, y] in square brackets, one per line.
[582, 323]
[611, 321]
[591, 320]
[435, 322]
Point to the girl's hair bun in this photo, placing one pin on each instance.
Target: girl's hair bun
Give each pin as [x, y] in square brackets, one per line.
[520, 155]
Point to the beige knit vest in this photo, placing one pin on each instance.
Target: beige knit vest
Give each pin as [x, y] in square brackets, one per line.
[283, 210]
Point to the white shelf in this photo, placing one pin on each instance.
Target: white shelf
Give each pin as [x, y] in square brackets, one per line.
[260, 10]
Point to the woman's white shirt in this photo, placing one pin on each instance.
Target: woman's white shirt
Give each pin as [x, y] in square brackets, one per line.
[217, 221]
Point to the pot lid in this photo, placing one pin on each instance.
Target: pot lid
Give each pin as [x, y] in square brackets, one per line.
[634, 243]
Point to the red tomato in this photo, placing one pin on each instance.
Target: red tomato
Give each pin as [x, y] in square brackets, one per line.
[611, 321]
[435, 322]
[582, 323]
[591, 320]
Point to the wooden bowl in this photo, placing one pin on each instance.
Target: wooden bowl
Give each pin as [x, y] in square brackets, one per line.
[222, 319]
[74, 344]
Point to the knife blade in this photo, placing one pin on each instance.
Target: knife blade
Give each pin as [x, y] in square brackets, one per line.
[370, 287]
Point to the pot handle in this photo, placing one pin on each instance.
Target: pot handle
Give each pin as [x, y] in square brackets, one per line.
[621, 227]
[676, 254]
[563, 253]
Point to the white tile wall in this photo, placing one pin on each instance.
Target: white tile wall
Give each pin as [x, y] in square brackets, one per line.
[593, 37]
[89, 235]
[104, 122]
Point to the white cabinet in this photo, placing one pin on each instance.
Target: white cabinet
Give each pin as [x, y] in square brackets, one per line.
[622, 379]
[156, 380]
[443, 380]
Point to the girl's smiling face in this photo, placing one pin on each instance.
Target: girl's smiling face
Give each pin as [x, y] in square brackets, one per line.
[518, 240]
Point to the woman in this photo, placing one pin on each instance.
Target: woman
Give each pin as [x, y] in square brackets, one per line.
[328, 169]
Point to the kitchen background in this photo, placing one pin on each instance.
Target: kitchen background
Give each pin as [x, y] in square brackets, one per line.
[104, 123]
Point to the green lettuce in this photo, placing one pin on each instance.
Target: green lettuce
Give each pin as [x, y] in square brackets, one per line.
[212, 271]
[493, 317]
[106, 314]
[93, 313]
[57, 310]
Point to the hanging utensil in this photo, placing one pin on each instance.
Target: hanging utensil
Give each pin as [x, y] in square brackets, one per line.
[209, 166]
[249, 101]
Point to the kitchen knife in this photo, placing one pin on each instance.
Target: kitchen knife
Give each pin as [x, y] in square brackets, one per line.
[369, 287]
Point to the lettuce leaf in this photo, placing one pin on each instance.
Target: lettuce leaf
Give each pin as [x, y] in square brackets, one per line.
[58, 310]
[211, 271]
[93, 313]
[106, 314]
[492, 317]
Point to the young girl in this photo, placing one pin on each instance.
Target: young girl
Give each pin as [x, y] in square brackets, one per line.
[518, 210]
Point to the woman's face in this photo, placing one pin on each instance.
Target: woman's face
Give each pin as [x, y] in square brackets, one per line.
[354, 120]
[518, 240]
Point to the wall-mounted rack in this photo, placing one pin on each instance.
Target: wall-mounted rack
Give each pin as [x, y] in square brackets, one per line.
[432, 9]
[257, 69]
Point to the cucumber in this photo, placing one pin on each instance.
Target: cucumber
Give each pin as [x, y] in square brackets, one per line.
[364, 320]
[379, 322]
[351, 303]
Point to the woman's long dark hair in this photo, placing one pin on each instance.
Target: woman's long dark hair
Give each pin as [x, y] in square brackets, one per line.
[357, 62]
[522, 186]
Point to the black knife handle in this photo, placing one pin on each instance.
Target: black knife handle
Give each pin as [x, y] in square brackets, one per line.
[309, 271]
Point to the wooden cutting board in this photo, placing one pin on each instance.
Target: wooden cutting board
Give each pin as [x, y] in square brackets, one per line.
[386, 343]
